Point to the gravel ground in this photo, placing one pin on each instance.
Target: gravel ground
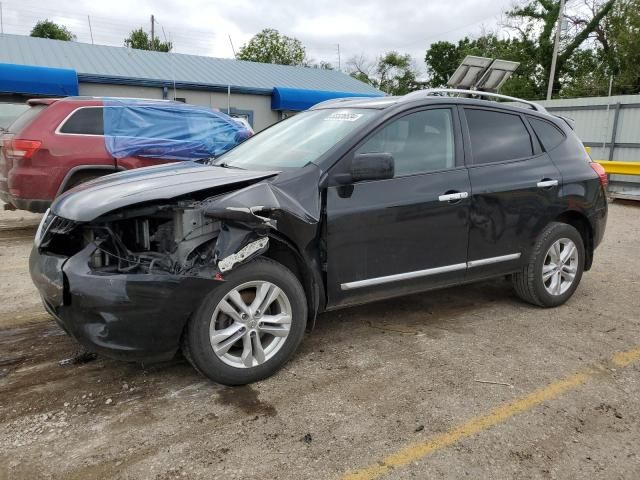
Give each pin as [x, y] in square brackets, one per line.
[366, 383]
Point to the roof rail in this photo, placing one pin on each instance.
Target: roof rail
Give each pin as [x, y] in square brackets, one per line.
[441, 91]
[331, 101]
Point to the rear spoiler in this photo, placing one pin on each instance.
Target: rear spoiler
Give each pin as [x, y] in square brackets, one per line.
[569, 121]
[41, 101]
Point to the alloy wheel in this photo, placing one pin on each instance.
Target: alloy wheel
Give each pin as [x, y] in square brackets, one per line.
[560, 266]
[250, 324]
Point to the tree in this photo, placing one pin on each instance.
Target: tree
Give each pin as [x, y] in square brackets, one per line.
[270, 46]
[620, 47]
[393, 73]
[49, 29]
[321, 65]
[140, 40]
[442, 59]
[536, 23]
[580, 64]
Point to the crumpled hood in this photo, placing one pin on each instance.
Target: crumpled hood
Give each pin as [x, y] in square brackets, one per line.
[163, 182]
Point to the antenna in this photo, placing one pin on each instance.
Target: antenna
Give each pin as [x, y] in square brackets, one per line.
[232, 48]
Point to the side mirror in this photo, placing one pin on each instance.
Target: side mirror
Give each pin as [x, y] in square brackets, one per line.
[372, 166]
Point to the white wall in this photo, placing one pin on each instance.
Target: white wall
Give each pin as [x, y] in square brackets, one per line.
[263, 116]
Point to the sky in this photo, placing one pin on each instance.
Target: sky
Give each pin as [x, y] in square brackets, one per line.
[209, 28]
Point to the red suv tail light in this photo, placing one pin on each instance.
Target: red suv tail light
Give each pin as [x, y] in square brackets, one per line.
[20, 149]
[602, 174]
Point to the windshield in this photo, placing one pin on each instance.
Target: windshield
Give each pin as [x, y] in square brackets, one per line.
[296, 141]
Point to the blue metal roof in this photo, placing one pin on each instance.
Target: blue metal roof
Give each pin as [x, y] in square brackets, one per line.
[297, 99]
[32, 80]
[103, 64]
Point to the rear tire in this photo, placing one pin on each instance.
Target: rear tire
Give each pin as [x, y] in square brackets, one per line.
[234, 338]
[553, 268]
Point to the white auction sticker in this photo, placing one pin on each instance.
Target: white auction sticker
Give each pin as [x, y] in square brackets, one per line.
[344, 116]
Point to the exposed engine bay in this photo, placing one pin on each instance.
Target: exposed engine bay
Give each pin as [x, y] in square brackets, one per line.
[176, 238]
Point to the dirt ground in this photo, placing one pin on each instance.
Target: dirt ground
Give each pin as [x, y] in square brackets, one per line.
[368, 382]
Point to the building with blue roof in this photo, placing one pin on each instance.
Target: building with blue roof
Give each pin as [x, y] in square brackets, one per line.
[261, 93]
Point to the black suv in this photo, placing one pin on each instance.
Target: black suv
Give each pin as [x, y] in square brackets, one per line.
[353, 201]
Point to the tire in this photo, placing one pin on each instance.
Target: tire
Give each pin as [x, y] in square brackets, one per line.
[544, 282]
[228, 328]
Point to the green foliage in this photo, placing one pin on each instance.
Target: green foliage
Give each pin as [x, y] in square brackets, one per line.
[392, 73]
[620, 46]
[443, 58]
[580, 67]
[140, 40]
[536, 23]
[49, 29]
[269, 46]
[321, 65]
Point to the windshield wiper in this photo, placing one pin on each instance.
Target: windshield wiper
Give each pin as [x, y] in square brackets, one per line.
[226, 165]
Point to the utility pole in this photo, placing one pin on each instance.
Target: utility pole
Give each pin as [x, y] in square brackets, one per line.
[339, 66]
[90, 29]
[1, 22]
[556, 46]
[232, 48]
[153, 21]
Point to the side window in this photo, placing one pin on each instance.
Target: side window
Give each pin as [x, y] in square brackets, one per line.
[549, 135]
[85, 121]
[419, 142]
[496, 136]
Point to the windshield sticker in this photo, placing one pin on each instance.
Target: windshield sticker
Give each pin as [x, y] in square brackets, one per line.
[344, 116]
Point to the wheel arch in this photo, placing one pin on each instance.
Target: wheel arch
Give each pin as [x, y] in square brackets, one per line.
[580, 222]
[83, 170]
[283, 251]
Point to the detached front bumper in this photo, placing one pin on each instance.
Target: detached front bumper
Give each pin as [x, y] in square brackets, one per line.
[137, 317]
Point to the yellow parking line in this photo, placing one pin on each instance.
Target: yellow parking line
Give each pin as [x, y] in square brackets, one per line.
[417, 451]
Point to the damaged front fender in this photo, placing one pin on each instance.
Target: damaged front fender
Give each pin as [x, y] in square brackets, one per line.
[250, 216]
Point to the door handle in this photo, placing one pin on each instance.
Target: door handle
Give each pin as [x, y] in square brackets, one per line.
[546, 183]
[449, 197]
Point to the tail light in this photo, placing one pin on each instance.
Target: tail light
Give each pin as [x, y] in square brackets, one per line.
[602, 174]
[20, 149]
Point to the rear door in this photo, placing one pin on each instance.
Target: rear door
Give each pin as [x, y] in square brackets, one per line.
[514, 189]
[404, 234]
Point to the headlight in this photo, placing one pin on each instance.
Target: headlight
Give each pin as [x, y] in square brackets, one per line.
[44, 223]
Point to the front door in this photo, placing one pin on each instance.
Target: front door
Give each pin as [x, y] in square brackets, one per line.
[408, 233]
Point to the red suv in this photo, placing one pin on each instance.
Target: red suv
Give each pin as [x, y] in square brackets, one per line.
[59, 143]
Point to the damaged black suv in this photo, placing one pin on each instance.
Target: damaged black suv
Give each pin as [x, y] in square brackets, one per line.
[355, 200]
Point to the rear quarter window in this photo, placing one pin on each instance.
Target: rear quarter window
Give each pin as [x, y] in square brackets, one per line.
[497, 136]
[84, 121]
[549, 135]
[9, 112]
[26, 118]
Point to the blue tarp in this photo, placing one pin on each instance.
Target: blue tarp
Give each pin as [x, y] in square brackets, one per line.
[296, 99]
[168, 130]
[30, 80]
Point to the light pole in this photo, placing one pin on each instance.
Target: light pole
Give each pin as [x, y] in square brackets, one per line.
[556, 45]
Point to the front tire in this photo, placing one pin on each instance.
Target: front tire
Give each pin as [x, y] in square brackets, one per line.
[554, 267]
[248, 327]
